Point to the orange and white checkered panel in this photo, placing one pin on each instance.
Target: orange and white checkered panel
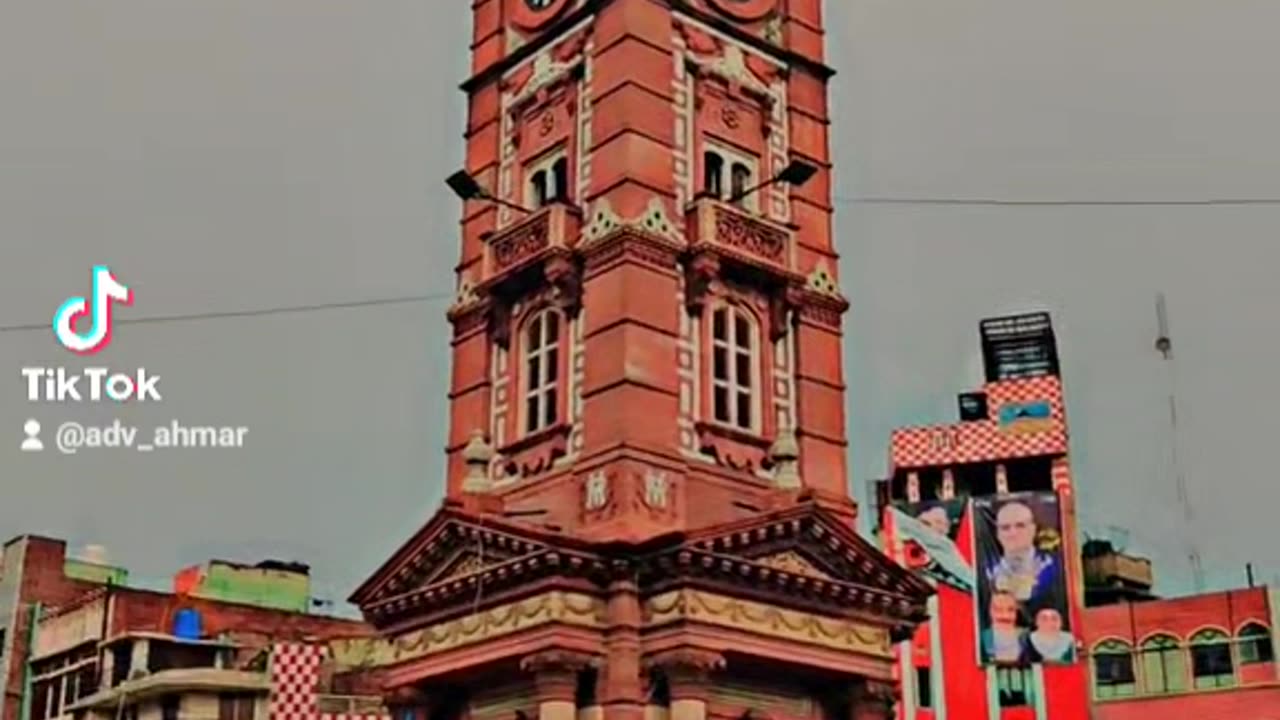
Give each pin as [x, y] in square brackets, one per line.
[295, 675]
[295, 672]
[986, 440]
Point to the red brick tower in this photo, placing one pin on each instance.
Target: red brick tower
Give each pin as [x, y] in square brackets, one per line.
[646, 504]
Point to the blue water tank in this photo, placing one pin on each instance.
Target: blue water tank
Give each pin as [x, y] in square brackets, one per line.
[186, 624]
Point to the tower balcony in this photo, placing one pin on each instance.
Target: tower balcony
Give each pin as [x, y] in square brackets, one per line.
[554, 227]
[741, 235]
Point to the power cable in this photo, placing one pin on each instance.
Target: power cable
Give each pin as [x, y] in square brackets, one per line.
[255, 312]
[848, 200]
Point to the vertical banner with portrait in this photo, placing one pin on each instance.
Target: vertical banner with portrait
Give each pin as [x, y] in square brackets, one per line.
[1022, 600]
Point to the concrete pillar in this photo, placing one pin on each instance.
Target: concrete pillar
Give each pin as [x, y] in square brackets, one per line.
[689, 674]
[555, 675]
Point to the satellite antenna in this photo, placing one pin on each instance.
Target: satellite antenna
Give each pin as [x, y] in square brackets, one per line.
[1164, 344]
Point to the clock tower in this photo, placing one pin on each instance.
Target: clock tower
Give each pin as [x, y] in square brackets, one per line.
[646, 496]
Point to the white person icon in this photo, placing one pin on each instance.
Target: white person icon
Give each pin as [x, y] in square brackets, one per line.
[32, 442]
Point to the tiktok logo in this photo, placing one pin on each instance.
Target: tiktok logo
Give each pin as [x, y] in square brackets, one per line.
[106, 290]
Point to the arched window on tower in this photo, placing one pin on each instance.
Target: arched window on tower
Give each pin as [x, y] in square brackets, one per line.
[1211, 663]
[1254, 642]
[1113, 674]
[1164, 665]
[735, 360]
[740, 182]
[729, 174]
[548, 180]
[560, 179]
[541, 354]
[712, 173]
[538, 190]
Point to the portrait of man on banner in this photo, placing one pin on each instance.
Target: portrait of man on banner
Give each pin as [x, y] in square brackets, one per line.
[1022, 590]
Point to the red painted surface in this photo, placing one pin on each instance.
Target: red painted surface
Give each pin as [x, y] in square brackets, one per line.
[1180, 617]
[1257, 694]
[143, 610]
[1067, 689]
[965, 681]
[1259, 703]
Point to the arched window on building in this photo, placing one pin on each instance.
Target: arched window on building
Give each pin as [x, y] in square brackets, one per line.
[541, 354]
[712, 173]
[740, 181]
[1113, 674]
[729, 174]
[1211, 662]
[735, 356]
[548, 180]
[1164, 665]
[1254, 644]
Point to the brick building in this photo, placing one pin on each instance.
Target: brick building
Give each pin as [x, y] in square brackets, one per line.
[647, 507]
[1202, 657]
[79, 641]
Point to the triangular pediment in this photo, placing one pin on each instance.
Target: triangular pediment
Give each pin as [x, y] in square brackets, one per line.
[811, 543]
[794, 562]
[449, 548]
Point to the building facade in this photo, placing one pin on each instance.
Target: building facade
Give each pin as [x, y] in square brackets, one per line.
[1204, 657]
[88, 645]
[998, 485]
[646, 498]
[1135, 656]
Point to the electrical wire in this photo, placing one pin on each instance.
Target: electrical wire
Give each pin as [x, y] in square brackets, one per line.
[255, 312]
[848, 200]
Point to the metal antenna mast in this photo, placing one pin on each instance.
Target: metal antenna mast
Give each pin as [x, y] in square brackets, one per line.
[1164, 344]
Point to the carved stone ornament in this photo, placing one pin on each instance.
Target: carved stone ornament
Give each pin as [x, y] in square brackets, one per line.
[547, 71]
[732, 68]
[785, 456]
[747, 234]
[515, 245]
[556, 672]
[565, 278]
[656, 486]
[822, 281]
[874, 695]
[466, 295]
[654, 221]
[557, 661]
[686, 664]
[478, 456]
[700, 276]
[596, 494]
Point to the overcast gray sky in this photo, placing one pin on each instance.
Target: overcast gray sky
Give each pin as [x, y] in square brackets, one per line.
[241, 154]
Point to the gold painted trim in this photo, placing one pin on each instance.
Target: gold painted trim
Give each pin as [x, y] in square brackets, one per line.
[767, 620]
[551, 608]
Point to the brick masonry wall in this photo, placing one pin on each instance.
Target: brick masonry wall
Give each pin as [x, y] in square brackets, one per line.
[142, 610]
[1257, 703]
